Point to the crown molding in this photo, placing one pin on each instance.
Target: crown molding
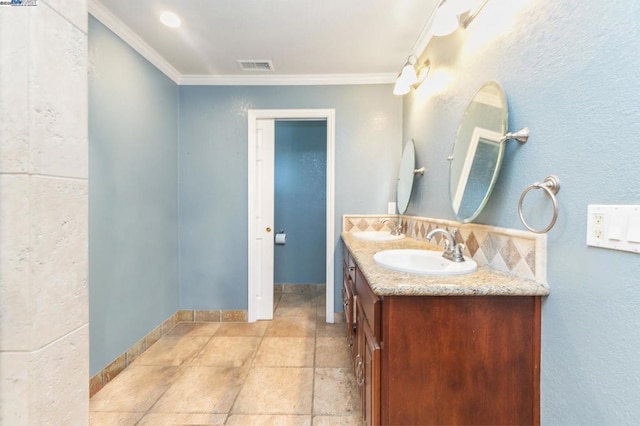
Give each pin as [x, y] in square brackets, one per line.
[102, 14]
[286, 80]
[425, 36]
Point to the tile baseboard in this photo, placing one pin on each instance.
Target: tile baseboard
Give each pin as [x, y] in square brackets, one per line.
[114, 368]
[299, 288]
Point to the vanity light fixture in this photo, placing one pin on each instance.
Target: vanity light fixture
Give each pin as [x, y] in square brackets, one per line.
[410, 77]
[170, 19]
[452, 14]
[423, 72]
[406, 78]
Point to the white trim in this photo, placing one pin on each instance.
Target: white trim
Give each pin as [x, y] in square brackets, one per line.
[425, 36]
[102, 14]
[286, 80]
[325, 114]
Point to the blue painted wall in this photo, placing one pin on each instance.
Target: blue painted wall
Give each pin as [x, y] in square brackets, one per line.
[300, 201]
[570, 73]
[213, 175]
[133, 212]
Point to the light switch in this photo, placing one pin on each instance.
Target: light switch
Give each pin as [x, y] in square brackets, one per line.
[616, 222]
[633, 232]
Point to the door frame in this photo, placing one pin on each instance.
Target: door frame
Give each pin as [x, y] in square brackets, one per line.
[253, 197]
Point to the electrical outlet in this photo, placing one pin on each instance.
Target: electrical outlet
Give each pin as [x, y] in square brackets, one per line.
[597, 222]
[598, 218]
[597, 233]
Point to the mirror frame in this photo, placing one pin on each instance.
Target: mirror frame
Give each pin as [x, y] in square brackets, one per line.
[469, 125]
[406, 175]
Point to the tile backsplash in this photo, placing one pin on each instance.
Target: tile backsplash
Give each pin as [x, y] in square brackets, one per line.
[516, 252]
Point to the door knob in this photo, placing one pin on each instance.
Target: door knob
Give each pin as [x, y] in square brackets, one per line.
[268, 229]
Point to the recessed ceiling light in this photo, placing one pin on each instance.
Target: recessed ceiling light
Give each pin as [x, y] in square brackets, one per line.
[170, 19]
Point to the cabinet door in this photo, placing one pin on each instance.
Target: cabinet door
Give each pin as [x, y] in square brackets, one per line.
[371, 400]
[358, 365]
[348, 304]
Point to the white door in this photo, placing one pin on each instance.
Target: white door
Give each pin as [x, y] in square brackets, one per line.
[261, 152]
[265, 153]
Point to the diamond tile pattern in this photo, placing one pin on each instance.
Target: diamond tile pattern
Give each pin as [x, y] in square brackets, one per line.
[472, 244]
[501, 248]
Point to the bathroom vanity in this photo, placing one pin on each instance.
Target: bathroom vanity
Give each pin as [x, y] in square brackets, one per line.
[461, 349]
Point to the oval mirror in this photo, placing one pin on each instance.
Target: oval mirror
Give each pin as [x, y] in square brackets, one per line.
[477, 152]
[405, 176]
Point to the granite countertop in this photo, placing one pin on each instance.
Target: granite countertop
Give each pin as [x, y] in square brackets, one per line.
[384, 282]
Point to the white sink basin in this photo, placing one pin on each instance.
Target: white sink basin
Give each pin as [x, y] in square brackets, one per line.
[377, 236]
[423, 262]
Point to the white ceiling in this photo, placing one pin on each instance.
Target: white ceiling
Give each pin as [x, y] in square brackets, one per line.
[314, 40]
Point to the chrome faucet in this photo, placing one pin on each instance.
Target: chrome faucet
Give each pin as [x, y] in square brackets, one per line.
[396, 227]
[452, 251]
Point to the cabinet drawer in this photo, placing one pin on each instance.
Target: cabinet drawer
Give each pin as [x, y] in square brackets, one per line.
[349, 263]
[348, 301]
[370, 303]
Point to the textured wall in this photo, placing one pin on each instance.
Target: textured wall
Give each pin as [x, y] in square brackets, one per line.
[44, 331]
[300, 201]
[569, 70]
[213, 175]
[133, 212]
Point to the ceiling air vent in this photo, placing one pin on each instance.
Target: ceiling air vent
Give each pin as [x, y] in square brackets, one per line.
[255, 65]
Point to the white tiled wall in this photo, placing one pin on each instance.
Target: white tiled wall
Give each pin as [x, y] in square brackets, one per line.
[44, 339]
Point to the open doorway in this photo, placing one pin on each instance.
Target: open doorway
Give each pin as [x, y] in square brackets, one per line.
[261, 229]
[300, 205]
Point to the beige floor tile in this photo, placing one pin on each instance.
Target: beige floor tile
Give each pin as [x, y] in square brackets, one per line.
[305, 310]
[172, 419]
[276, 391]
[172, 350]
[289, 300]
[332, 352]
[320, 299]
[136, 389]
[285, 352]
[223, 351]
[355, 420]
[268, 420]
[202, 390]
[335, 392]
[243, 329]
[324, 329]
[100, 418]
[291, 327]
[195, 329]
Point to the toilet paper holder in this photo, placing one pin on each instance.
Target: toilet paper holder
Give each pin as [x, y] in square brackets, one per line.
[280, 237]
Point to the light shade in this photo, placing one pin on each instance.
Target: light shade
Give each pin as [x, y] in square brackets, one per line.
[446, 20]
[408, 75]
[460, 6]
[406, 79]
[400, 88]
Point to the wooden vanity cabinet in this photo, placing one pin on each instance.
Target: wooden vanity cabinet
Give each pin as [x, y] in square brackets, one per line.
[460, 360]
[463, 360]
[348, 300]
[368, 353]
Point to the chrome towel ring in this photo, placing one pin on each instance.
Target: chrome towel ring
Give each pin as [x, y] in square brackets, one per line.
[551, 185]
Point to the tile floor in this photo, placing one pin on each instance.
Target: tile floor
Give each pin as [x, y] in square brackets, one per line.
[294, 370]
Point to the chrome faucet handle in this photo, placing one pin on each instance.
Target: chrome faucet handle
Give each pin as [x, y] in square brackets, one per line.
[452, 251]
[396, 227]
[457, 252]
